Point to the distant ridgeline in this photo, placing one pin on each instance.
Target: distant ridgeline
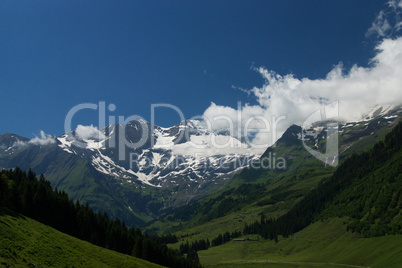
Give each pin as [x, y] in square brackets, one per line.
[367, 187]
[23, 193]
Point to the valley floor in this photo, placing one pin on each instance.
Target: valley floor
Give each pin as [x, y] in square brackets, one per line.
[322, 244]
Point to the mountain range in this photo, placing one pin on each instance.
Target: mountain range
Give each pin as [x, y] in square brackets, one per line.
[140, 171]
[131, 171]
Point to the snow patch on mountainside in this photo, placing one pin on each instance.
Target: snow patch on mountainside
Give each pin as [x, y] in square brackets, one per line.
[378, 111]
[163, 141]
[94, 145]
[144, 178]
[65, 144]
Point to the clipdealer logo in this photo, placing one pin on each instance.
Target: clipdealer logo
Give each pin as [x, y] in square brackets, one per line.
[328, 112]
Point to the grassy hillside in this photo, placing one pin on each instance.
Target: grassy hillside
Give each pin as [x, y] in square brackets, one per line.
[322, 244]
[360, 212]
[25, 242]
[233, 208]
[22, 192]
[271, 191]
[352, 218]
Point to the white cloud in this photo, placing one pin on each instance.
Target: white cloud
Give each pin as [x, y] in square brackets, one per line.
[89, 133]
[395, 4]
[388, 22]
[44, 139]
[18, 144]
[380, 26]
[284, 100]
[290, 100]
[210, 145]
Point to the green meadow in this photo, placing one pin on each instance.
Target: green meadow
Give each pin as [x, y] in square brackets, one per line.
[322, 244]
[27, 243]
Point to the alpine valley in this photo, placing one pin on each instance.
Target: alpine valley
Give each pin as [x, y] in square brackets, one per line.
[133, 172]
[287, 200]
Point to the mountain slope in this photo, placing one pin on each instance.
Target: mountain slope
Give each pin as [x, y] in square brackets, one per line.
[352, 218]
[273, 191]
[366, 187]
[25, 242]
[9, 140]
[80, 180]
[135, 171]
[354, 137]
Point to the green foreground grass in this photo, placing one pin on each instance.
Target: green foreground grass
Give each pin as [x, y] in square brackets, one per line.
[28, 243]
[322, 244]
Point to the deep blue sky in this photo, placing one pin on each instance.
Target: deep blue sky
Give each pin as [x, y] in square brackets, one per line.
[57, 54]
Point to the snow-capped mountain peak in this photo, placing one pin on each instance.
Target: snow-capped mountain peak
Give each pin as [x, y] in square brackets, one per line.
[160, 157]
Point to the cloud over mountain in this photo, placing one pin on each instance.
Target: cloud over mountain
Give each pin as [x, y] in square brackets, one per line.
[289, 100]
[44, 139]
[284, 100]
[88, 133]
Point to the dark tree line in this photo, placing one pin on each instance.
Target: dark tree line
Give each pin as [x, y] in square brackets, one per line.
[23, 193]
[168, 239]
[226, 237]
[203, 244]
[368, 184]
[196, 245]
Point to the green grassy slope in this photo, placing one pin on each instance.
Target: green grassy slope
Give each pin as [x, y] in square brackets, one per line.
[276, 190]
[272, 199]
[363, 196]
[28, 243]
[373, 200]
[322, 244]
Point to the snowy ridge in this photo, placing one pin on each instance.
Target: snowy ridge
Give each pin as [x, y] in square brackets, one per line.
[378, 117]
[189, 154]
[186, 152]
[378, 111]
